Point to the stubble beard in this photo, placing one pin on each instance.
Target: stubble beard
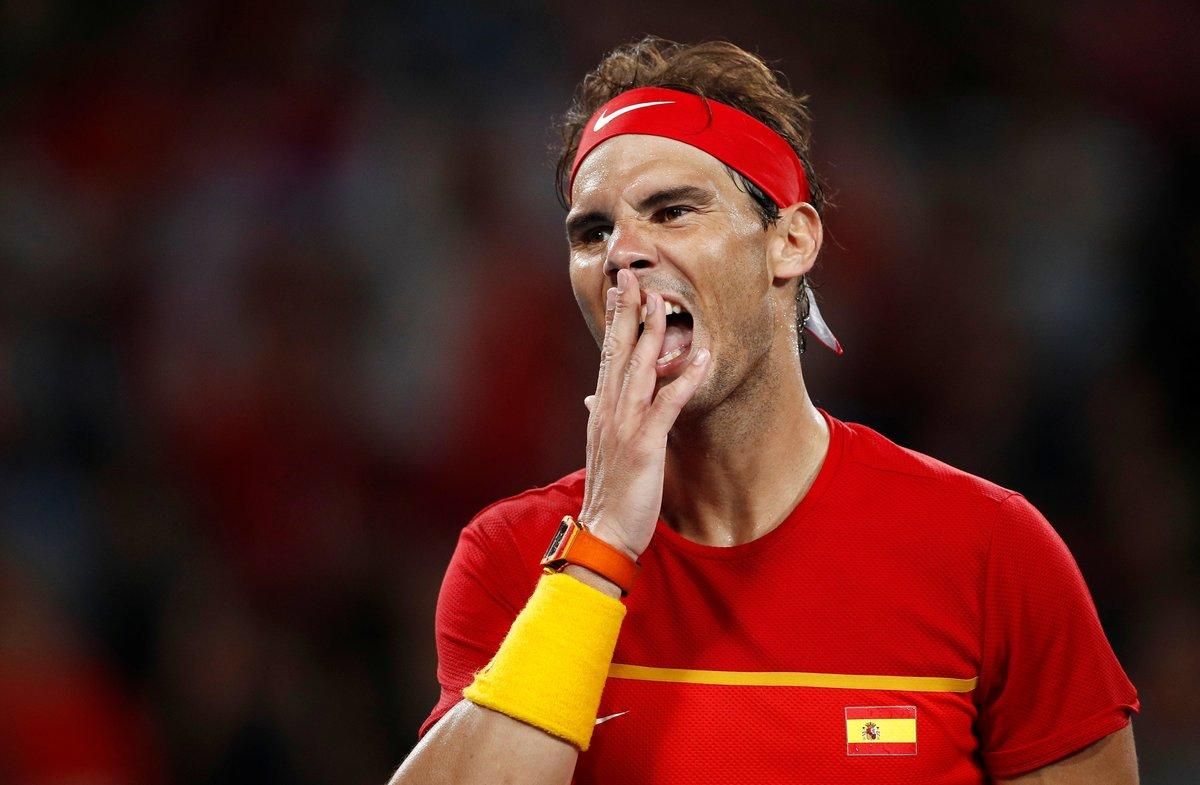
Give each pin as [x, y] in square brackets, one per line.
[733, 401]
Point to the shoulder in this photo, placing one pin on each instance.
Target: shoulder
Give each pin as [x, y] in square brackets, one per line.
[529, 518]
[499, 552]
[881, 463]
[942, 499]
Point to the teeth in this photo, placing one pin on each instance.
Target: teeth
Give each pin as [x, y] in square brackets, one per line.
[666, 358]
[668, 309]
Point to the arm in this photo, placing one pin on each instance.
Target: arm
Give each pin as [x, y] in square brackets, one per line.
[1050, 683]
[1110, 761]
[627, 434]
[472, 744]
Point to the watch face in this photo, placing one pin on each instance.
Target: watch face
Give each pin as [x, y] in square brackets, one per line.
[556, 543]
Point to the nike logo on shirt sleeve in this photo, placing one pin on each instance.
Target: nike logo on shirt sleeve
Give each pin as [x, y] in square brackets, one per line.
[604, 119]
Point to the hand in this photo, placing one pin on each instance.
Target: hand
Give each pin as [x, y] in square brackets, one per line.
[629, 423]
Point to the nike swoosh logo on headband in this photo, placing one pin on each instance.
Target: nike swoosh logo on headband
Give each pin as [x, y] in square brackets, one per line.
[604, 119]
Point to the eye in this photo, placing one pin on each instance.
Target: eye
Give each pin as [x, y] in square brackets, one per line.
[673, 212]
[597, 234]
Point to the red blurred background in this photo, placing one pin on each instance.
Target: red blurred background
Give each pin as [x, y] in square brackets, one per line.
[283, 302]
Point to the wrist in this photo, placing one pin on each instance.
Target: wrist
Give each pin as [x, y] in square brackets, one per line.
[575, 545]
[610, 535]
[593, 579]
[552, 666]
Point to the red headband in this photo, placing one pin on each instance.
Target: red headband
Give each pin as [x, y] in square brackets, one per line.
[727, 134]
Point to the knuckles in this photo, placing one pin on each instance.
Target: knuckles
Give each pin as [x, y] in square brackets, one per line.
[670, 395]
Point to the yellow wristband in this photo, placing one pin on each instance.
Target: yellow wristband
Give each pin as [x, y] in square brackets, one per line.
[551, 668]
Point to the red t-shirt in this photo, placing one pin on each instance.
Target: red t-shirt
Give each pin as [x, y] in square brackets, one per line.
[762, 662]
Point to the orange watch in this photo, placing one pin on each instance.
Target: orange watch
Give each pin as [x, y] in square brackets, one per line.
[573, 544]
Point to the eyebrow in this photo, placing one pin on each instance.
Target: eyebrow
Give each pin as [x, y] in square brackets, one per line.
[682, 193]
[577, 224]
[656, 200]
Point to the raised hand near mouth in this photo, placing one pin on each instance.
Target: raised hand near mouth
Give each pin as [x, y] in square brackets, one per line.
[629, 422]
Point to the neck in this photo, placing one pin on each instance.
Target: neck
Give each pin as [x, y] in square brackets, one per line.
[734, 474]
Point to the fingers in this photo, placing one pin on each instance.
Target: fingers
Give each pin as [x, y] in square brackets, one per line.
[628, 308]
[609, 305]
[611, 365]
[619, 339]
[640, 374]
[672, 398]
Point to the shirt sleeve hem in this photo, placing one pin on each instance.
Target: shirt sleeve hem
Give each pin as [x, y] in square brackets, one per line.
[1022, 760]
[438, 712]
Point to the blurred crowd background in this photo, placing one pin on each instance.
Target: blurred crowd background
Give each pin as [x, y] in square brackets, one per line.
[283, 302]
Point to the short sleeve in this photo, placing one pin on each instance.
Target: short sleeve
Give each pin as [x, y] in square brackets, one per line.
[479, 599]
[1050, 683]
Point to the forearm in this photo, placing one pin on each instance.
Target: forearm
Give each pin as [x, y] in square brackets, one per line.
[471, 744]
[1110, 761]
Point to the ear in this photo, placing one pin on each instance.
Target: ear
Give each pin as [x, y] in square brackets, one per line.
[796, 241]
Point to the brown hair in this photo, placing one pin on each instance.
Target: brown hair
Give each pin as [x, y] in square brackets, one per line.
[718, 70]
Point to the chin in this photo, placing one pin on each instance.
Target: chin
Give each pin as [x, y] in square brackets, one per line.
[701, 404]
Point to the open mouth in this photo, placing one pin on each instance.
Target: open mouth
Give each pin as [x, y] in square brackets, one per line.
[678, 339]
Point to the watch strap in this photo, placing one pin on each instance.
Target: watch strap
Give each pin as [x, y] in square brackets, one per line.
[574, 544]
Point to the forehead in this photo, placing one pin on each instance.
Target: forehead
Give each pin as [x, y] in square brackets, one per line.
[625, 166]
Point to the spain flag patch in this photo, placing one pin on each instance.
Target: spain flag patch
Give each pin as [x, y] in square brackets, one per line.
[881, 730]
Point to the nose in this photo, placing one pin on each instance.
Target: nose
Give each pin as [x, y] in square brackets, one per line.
[628, 249]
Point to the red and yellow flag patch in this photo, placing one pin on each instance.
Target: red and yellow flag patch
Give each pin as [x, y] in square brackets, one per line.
[881, 730]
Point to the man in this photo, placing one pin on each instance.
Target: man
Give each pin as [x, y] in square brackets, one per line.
[803, 600]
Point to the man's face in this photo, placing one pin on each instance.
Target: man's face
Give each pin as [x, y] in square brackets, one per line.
[673, 215]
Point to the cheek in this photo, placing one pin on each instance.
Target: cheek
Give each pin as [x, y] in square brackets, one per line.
[743, 298]
[747, 327]
[588, 286]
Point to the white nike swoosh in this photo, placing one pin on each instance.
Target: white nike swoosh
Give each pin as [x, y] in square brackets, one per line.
[604, 119]
[611, 716]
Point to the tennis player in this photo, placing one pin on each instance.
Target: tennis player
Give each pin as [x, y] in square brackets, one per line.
[741, 587]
